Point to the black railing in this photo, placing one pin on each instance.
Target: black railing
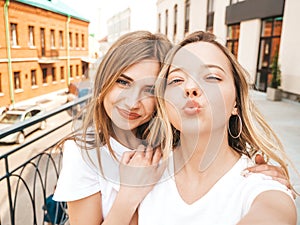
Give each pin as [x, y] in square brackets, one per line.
[29, 172]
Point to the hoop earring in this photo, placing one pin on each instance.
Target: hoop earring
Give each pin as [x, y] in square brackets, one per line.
[240, 130]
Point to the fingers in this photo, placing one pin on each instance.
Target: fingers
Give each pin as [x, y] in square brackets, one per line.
[143, 156]
[259, 159]
[156, 157]
[269, 170]
[126, 157]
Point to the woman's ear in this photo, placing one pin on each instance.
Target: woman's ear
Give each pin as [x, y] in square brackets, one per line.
[235, 110]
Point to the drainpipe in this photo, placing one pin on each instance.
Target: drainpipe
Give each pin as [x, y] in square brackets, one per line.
[68, 49]
[7, 33]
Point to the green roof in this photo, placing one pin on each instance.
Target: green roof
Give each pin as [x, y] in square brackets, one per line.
[54, 6]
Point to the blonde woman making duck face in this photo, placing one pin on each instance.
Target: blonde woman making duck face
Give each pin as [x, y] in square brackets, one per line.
[210, 123]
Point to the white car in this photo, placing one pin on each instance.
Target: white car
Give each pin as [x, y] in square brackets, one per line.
[17, 115]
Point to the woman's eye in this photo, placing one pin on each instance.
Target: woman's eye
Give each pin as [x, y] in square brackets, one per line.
[175, 81]
[150, 90]
[123, 82]
[213, 77]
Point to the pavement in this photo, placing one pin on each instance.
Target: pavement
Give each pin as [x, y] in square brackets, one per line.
[48, 102]
[284, 118]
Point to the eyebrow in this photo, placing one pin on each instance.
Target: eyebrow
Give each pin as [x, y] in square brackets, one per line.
[215, 66]
[204, 66]
[126, 77]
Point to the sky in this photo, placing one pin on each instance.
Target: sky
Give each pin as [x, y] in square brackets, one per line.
[99, 11]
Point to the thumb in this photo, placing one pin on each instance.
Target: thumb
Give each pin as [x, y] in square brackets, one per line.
[259, 159]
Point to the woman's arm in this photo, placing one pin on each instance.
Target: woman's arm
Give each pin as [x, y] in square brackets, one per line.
[89, 211]
[271, 208]
[86, 211]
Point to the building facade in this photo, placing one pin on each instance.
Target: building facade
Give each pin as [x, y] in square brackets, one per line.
[136, 15]
[44, 47]
[254, 30]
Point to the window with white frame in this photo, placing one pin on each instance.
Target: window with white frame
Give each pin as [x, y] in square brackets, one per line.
[52, 38]
[13, 34]
[33, 78]
[17, 80]
[31, 41]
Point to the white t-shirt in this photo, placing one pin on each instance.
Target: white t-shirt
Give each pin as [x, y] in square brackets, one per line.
[81, 177]
[225, 204]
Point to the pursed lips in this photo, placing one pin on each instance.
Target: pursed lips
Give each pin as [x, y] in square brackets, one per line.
[128, 114]
[191, 107]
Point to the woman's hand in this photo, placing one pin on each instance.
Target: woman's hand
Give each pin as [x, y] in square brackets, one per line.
[275, 172]
[140, 170]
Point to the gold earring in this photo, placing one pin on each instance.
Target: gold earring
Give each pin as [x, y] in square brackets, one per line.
[240, 130]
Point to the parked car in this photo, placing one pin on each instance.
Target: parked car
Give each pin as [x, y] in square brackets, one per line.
[17, 115]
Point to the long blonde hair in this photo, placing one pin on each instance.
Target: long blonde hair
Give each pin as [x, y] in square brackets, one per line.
[256, 134]
[129, 49]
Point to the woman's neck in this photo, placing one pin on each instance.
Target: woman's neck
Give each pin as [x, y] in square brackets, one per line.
[126, 137]
[199, 152]
[201, 162]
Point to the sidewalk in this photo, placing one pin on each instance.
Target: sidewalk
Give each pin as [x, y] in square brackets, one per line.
[48, 102]
[284, 118]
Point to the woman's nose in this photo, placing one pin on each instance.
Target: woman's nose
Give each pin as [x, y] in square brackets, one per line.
[132, 99]
[192, 92]
[192, 89]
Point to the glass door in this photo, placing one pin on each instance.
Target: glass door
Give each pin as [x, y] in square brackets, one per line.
[268, 48]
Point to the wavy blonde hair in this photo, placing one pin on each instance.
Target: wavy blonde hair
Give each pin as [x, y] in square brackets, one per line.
[256, 134]
[129, 49]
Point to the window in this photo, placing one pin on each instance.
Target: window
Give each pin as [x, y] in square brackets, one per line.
[13, 34]
[71, 71]
[17, 80]
[61, 39]
[53, 73]
[33, 78]
[52, 38]
[44, 71]
[43, 46]
[187, 16]
[210, 16]
[159, 22]
[175, 19]
[232, 43]
[70, 40]
[76, 40]
[167, 18]
[77, 70]
[62, 73]
[31, 41]
[82, 40]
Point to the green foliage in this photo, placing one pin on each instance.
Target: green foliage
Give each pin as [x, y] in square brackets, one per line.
[276, 72]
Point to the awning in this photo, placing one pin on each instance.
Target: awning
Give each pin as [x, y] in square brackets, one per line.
[88, 60]
[47, 61]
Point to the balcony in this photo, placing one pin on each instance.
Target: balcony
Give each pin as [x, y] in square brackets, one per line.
[48, 56]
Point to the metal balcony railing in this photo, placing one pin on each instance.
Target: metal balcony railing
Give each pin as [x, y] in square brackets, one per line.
[26, 182]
